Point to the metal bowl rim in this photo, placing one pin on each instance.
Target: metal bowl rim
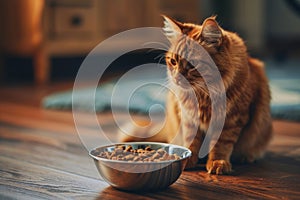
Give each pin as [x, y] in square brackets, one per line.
[189, 153]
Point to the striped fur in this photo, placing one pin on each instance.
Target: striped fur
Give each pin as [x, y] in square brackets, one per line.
[247, 129]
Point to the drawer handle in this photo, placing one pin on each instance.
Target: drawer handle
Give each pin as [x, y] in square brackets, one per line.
[76, 20]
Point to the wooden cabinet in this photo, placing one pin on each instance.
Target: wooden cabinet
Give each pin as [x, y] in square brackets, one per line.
[75, 27]
[87, 22]
[71, 27]
[21, 32]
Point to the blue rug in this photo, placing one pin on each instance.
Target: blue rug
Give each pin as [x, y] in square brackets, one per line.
[284, 82]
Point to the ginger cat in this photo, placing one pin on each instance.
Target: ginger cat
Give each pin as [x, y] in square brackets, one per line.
[247, 127]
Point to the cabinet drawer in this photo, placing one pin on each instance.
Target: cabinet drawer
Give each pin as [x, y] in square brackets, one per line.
[74, 22]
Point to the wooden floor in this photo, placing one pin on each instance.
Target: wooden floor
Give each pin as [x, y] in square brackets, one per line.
[42, 157]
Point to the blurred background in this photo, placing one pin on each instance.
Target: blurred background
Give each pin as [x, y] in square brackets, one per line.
[45, 41]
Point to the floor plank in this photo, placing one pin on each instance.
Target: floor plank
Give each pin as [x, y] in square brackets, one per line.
[42, 157]
[44, 182]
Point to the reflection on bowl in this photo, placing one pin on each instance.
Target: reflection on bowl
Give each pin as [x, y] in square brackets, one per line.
[139, 176]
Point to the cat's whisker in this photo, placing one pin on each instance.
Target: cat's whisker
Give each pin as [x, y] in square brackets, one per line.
[160, 56]
[203, 91]
[164, 86]
[163, 46]
[202, 87]
[161, 91]
[150, 50]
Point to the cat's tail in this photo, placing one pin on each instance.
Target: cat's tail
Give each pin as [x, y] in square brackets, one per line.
[141, 131]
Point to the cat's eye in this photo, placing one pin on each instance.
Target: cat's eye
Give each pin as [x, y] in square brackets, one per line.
[173, 61]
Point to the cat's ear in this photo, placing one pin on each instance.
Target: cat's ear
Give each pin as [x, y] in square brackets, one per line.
[172, 28]
[211, 32]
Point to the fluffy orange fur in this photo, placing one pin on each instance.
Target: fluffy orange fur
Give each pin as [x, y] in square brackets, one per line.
[247, 129]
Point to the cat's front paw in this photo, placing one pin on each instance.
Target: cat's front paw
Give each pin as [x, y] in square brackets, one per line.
[218, 167]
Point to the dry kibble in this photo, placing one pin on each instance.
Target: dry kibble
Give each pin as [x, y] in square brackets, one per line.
[129, 157]
[172, 157]
[165, 156]
[156, 156]
[153, 151]
[161, 151]
[113, 154]
[127, 153]
[136, 158]
[143, 155]
[140, 150]
[120, 147]
[148, 148]
[128, 148]
[118, 151]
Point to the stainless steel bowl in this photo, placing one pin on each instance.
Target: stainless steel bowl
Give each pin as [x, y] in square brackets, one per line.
[140, 176]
